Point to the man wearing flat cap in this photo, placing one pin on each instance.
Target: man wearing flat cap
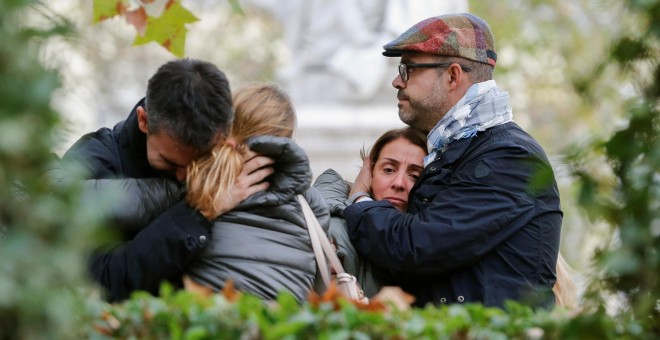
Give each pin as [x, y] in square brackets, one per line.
[484, 219]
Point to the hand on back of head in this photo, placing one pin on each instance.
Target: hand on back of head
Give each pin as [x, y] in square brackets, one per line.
[249, 181]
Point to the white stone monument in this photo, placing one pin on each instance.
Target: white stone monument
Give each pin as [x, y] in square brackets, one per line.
[336, 74]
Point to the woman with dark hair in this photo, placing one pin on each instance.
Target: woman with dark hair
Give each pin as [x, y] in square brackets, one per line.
[396, 159]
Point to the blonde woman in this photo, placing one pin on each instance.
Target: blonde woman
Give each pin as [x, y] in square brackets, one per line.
[263, 245]
[396, 159]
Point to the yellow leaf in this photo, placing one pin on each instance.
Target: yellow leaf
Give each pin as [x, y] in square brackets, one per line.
[106, 9]
[169, 29]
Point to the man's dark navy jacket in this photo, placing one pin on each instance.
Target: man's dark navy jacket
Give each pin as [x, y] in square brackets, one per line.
[483, 224]
[155, 252]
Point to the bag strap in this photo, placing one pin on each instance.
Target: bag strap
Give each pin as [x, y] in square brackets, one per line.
[316, 242]
[320, 243]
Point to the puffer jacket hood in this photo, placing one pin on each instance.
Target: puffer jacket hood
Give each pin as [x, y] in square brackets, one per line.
[292, 174]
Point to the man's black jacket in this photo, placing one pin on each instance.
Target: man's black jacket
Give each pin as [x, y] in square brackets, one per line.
[156, 250]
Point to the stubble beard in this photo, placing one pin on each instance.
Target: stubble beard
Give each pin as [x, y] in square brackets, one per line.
[424, 114]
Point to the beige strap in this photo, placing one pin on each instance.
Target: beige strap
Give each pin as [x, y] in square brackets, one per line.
[320, 243]
[316, 243]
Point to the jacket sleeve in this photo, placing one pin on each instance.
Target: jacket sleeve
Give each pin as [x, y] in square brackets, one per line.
[94, 153]
[160, 252]
[132, 202]
[460, 216]
[136, 202]
[335, 190]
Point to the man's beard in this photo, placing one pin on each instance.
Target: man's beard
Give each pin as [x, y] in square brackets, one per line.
[423, 114]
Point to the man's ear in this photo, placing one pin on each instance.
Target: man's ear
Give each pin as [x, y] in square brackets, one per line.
[458, 78]
[142, 119]
[455, 74]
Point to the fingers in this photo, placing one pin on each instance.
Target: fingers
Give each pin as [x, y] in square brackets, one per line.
[253, 189]
[254, 162]
[363, 179]
[366, 163]
[257, 176]
[255, 170]
[244, 187]
[252, 178]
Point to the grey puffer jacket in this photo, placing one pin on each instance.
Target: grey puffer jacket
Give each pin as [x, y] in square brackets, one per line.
[263, 245]
[335, 190]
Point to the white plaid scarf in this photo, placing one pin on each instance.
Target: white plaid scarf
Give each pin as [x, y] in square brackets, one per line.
[482, 107]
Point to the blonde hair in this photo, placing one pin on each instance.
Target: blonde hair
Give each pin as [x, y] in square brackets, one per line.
[260, 109]
[564, 288]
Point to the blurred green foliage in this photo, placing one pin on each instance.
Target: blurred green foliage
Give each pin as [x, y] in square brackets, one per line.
[549, 53]
[43, 232]
[627, 196]
[598, 71]
[184, 315]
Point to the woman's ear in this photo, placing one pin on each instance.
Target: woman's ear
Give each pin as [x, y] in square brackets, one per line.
[142, 119]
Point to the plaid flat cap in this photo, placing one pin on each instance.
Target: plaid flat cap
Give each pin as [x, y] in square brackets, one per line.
[454, 35]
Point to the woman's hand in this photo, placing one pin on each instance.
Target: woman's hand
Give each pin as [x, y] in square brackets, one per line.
[363, 180]
[251, 180]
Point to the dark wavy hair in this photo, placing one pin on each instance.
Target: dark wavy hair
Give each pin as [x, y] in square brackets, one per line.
[190, 100]
[414, 136]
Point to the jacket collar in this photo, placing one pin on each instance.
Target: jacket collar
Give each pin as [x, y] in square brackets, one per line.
[457, 148]
[133, 147]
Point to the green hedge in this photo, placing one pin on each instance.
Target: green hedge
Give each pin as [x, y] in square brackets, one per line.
[184, 315]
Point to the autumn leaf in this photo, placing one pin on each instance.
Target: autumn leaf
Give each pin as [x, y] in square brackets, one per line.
[106, 9]
[169, 29]
[332, 294]
[229, 292]
[137, 18]
[112, 321]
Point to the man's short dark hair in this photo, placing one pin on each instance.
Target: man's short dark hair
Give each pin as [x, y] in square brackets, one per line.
[479, 72]
[190, 100]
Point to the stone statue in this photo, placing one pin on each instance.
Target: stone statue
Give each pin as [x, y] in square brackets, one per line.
[335, 45]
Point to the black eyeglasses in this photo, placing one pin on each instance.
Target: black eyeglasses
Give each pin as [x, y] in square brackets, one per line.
[403, 68]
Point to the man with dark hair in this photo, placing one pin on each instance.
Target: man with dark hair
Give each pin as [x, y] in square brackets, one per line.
[484, 219]
[186, 111]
